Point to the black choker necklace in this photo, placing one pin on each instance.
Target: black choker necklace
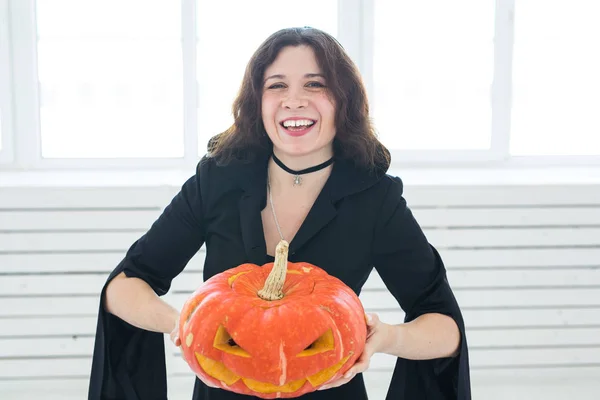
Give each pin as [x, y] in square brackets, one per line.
[297, 178]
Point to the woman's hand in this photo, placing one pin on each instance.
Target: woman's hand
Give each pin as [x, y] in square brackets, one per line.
[175, 334]
[177, 342]
[377, 337]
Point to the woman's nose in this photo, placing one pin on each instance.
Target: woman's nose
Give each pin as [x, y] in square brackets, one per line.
[294, 101]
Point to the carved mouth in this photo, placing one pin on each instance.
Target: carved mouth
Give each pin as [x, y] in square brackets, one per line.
[219, 371]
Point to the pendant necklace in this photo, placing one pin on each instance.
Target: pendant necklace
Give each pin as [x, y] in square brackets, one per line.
[273, 209]
[297, 177]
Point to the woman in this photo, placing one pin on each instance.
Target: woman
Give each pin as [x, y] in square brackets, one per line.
[301, 163]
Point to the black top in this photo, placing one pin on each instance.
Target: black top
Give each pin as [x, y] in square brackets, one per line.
[359, 221]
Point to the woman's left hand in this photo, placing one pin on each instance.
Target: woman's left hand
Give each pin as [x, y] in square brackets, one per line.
[377, 335]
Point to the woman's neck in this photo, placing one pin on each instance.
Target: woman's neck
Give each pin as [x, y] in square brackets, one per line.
[280, 178]
[298, 163]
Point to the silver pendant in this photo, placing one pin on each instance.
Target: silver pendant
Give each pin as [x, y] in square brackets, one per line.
[297, 180]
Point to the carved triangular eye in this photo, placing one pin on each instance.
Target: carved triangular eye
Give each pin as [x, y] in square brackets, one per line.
[224, 341]
[322, 344]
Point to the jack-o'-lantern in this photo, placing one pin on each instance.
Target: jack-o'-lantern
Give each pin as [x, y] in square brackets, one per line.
[276, 331]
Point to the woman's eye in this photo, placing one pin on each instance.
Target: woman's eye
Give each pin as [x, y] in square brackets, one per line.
[312, 85]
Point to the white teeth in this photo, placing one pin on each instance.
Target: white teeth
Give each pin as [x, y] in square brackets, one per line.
[299, 122]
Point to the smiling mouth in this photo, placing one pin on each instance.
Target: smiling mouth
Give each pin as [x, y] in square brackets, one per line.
[219, 371]
[297, 125]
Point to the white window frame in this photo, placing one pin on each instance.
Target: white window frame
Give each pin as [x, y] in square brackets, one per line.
[498, 154]
[26, 92]
[356, 33]
[357, 27]
[502, 96]
[6, 151]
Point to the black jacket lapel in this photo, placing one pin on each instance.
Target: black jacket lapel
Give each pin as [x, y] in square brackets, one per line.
[345, 179]
[252, 229]
[253, 181]
[320, 214]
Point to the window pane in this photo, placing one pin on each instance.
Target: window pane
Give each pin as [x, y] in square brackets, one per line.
[1, 139]
[432, 73]
[555, 78]
[223, 52]
[111, 78]
[5, 92]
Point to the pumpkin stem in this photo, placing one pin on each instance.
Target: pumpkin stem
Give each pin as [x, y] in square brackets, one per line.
[273, 289]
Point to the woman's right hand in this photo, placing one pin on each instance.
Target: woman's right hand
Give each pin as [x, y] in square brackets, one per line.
[177, 342]
[175, 334]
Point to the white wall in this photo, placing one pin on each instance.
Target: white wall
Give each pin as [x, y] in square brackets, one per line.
[523, 261]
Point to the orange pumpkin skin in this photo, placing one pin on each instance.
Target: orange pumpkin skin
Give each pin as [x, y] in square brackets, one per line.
[271, 354]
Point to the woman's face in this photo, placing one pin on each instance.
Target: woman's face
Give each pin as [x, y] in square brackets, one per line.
[297, 111]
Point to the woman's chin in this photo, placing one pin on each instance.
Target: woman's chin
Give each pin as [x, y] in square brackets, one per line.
[300, 145]
[297, 146]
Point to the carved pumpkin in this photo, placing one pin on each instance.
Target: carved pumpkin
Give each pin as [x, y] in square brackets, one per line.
[272, 331]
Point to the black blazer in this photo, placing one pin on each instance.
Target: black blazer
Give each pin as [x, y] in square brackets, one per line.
[360, 220]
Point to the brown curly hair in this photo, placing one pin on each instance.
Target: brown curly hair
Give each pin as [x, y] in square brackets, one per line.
[355, 137]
